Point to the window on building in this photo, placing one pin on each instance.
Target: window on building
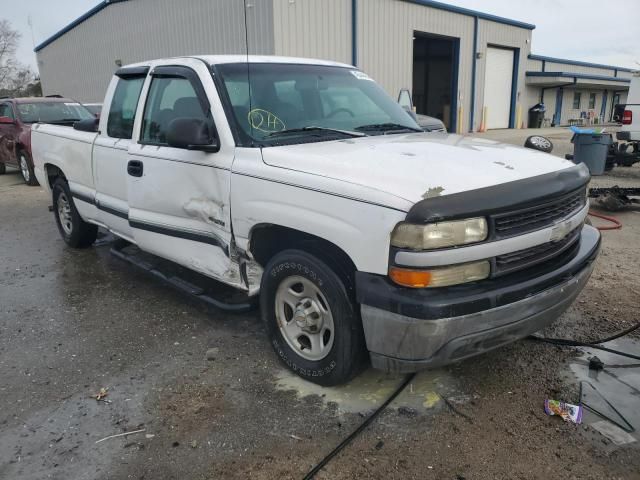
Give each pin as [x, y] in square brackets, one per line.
[170, 98]
[592, 101]
[576, 100]
[123, 107]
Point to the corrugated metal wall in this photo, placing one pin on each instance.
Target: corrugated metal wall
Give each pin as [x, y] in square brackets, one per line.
[313, 28]
[385, 43]
[500, 35]
[80, 63]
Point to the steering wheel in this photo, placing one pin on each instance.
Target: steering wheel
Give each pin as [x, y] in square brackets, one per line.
[340, 110]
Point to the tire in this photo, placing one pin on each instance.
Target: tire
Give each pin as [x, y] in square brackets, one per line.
[74, 231]
[3, 169]
[26, 168]
[538, 142]
[318, 296]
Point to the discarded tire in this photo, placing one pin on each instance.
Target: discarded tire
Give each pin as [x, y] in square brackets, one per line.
[538, 142]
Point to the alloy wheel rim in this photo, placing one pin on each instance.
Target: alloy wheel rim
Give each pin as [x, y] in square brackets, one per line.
[24, 168]
[304, 318]
[64, 213]
[540, 142]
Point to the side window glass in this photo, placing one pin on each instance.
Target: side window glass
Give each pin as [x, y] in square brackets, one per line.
[169, 98]
[6, 111]
[122, 111]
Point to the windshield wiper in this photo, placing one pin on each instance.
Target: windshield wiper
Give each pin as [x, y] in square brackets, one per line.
[312, 128]
[388, 127]
[63, 120]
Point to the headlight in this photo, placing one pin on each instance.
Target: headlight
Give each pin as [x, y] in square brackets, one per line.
[441, 276]
[439, 235]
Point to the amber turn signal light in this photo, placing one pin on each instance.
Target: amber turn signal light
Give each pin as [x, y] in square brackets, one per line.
[410, 278]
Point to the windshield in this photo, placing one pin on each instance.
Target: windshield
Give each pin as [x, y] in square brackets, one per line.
[52, 112]
[283, 101]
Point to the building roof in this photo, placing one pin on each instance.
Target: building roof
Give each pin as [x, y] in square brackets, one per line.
[427, 3]
[577, 62]
[102, 5]
[473, 13]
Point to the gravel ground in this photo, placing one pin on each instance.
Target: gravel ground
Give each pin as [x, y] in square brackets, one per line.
[72, 322]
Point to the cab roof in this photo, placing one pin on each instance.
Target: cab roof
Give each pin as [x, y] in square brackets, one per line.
[222, 59]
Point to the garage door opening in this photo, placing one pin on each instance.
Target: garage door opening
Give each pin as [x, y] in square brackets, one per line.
[498, 87]
[435, 77]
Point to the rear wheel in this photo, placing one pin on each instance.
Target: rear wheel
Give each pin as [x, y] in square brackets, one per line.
[313, 325]
[76, 232]
[26, 168]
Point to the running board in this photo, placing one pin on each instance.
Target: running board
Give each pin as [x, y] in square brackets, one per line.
[202, 288]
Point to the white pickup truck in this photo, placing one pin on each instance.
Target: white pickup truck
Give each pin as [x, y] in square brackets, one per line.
[302, 181]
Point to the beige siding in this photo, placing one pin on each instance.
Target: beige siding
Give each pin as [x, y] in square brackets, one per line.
[564, 67]
[500, 35]
[80, 63]
[385, 43]
[534, 65]
[313, 29]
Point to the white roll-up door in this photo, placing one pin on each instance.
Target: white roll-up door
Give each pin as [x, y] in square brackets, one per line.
[497, 87]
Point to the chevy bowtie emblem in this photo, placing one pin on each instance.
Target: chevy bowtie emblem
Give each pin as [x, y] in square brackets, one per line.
[560, 231]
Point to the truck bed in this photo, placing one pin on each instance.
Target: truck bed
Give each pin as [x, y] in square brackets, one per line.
[64, 146]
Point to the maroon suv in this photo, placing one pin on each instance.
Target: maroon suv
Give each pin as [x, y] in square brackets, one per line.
[16, 117]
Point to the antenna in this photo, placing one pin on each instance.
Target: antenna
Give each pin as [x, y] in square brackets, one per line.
[33, 40]
[246, 44]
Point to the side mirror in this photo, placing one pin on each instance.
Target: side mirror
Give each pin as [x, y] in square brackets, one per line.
[192, 134]
[7, 120]
[87, 125]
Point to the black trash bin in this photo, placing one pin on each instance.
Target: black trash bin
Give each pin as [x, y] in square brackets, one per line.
[536, 115]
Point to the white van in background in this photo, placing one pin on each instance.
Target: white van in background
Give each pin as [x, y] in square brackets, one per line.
[630, 131]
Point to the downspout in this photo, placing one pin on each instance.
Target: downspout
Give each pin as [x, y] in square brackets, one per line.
[354, 33]
[473, 74]
[514, 87]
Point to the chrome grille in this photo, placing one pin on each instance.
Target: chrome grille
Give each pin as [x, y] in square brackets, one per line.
[510, 262]
[535, 218]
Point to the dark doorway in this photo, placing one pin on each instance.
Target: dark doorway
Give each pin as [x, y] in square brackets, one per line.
[435, 77]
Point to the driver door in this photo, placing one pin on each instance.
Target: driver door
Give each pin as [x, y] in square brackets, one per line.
[179, 197]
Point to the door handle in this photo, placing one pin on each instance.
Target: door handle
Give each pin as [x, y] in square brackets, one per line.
[135, 168]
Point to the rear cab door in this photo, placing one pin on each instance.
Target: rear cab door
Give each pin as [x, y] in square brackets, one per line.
[8, 135]
[110, 151]
[179, 198]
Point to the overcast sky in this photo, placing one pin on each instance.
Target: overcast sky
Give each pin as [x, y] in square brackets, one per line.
[590, 30]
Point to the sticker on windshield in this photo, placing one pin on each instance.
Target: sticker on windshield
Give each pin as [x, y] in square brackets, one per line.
[265, 121]
[361, 75]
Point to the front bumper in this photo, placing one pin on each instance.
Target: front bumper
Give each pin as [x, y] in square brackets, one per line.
[411, 329]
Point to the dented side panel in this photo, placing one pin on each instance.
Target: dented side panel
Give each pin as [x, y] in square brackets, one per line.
[179, 208]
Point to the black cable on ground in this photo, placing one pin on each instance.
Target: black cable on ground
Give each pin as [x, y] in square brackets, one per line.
[571, 343]
[359, 430]
[622, 333]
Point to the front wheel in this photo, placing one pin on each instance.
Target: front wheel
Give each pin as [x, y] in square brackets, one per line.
[26, 168]
[313, 325]
[76, 232]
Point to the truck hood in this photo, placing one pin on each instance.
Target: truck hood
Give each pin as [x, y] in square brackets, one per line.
[416, 166]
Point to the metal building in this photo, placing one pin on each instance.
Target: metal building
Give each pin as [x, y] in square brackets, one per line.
[471, 69]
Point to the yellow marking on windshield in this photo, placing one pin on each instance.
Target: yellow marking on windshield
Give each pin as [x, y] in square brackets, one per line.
[265, 121]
